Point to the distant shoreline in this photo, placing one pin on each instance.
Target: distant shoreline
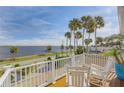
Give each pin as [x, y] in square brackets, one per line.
[26, 51]
[26, 58]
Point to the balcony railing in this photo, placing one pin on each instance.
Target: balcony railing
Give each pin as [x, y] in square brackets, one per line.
[44, 73]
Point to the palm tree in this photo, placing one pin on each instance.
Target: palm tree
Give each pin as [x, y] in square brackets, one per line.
[68, 37]
[89, 31]
[120, 39]
[106, 41]
[14, 50]
[99, 23]
[84, 23]
[90, 28]
[49, 48]
[117, 39]
[71, 47]
[78, 36]
[74, 26]
[87, 42]
[99, 40]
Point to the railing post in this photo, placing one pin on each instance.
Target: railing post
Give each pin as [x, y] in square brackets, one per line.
[53, 72]
[83, 59]
[8, 79]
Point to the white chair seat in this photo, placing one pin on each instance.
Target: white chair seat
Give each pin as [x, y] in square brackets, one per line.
[101, 72]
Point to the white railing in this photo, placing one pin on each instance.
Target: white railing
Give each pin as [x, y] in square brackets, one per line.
[4, 80]
[95, 59]
[44, 73]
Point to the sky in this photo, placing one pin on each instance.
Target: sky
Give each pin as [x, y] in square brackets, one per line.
[44, 25]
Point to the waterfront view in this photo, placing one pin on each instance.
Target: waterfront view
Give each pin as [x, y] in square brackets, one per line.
[61, 46]
[27, 51]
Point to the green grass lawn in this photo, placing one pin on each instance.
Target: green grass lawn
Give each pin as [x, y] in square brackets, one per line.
[25, 58]
[1, 72]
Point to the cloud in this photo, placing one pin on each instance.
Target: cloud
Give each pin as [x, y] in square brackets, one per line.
[102, 11]
[31, 42]
[4, 35]
[108, 29]
[45, 25]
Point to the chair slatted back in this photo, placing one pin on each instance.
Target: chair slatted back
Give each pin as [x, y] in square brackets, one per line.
[76, 77]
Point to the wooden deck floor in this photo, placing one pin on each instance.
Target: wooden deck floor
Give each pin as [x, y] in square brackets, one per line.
[59, 83]
[62, 82]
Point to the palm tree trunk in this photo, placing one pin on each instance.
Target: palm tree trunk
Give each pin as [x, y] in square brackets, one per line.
[13, 56]
[70, 46]
[87, 48]
[89, 36]
[95, 42]
[77, 42]
[74, 41]
[88, 45]
[70, 42]
[66, 46]
[83, 37]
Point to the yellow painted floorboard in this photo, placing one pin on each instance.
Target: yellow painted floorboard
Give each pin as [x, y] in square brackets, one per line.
[59, 83]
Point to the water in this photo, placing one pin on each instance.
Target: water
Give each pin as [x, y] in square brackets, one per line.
[26, 51]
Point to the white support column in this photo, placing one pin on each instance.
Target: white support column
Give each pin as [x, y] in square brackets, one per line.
[8, 81]
[26, 77]
[30, 74]
[121, 18]
[37, 75]
[21, 84]
[53, 72]
[15, 78]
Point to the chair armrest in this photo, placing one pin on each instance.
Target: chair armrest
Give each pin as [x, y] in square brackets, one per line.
[96, 67]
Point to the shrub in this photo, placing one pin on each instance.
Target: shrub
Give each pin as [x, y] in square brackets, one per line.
[80, 50]
[1, 72]
[49, 48]
[17, 65]
[49, 59]
[56, 56]
[14, 50]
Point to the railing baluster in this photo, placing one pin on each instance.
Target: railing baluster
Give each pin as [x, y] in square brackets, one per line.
[26, 77]
[21, 84]
[35, 80]
[15, 77]
[47, 73]
[30, 77]
[37, 74]
[41, 75]
[53, 71]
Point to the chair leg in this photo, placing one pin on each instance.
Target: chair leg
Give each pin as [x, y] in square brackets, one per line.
[104, 83]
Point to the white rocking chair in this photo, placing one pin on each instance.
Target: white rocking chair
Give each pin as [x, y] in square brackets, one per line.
[77, 76]
[100, 73]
